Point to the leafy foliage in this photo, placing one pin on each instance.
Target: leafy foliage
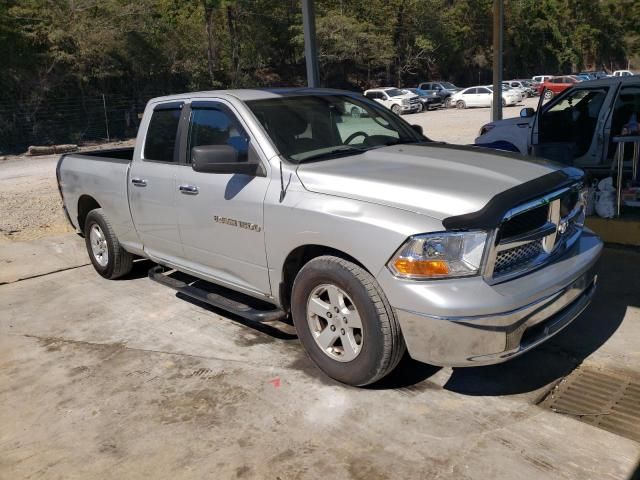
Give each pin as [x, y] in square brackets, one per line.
[74, 51]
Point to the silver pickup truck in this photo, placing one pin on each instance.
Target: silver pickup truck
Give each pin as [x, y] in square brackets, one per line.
[373, 239]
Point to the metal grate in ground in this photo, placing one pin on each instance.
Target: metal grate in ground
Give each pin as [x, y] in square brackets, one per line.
[607, 400]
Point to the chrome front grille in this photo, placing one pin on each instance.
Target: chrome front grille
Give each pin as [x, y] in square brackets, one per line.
[531, 234]
[516, 257]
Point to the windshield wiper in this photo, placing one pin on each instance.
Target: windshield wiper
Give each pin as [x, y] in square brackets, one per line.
[336, 152]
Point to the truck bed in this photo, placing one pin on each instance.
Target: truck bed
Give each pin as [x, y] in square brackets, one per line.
[98, 179]
[122, 154]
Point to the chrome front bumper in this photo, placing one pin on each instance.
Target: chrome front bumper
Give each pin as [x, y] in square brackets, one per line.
[471, 323]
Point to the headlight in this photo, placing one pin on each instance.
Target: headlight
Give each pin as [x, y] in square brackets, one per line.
[486, 129]
[439, 255]
[405, 102]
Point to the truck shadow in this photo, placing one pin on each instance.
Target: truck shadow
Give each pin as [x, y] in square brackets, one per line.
[618, 280]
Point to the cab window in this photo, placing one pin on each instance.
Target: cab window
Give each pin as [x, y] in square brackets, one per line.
[160, 142]
[216, 125]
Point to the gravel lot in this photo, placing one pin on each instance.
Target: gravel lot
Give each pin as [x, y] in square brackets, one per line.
[30, 205]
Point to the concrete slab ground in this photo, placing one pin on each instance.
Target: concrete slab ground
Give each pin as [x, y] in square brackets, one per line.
[124, 379]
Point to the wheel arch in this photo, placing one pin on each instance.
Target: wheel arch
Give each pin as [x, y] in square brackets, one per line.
[298, 258]
[86, 203]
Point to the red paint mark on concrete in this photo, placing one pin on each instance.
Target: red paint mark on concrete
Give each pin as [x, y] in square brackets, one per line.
[275, 382]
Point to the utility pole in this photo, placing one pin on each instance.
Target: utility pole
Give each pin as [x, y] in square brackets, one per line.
[310, 49]
[498, 28]
[106, 118]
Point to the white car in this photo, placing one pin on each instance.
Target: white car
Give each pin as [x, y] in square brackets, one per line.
[396, 100]
[482, 96]
[623, 73]
[513, 86]
[541, 78]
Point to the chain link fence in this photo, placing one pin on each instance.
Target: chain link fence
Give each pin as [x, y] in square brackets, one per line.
[73, 120]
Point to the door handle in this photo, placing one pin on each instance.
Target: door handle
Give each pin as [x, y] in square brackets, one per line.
[188, 189]
[139, 182]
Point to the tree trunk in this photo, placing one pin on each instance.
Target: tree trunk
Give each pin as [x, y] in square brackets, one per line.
[234, 44]
[211, 47]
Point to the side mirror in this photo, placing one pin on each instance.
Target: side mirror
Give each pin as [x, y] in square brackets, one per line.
[220, 159]
[418, 129]
[527, 112]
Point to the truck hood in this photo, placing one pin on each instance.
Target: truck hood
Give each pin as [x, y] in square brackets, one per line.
[508, 122]
[436, 180]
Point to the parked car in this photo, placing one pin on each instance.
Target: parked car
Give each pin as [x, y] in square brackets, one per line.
[276, 203]
[595, 75]
[539, 79]
[482, 96]
[396, 100]
[429, 100]
[556, 85]
[444, 89]
[523, 85]
[574, 128]
[622, 73]
[506, 87]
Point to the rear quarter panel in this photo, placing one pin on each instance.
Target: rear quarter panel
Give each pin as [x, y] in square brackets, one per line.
[104, 180]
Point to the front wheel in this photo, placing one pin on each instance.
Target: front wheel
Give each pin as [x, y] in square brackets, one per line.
[447, 102]
[107, 255]
[345, 322]
[396, 109]
[548, 95]
[461, 105]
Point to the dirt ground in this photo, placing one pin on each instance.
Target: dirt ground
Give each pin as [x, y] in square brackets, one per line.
[30, 205]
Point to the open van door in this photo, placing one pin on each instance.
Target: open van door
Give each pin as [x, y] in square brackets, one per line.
[569, 128]
[536, 123]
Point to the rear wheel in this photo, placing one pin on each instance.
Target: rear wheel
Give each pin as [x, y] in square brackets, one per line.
[355, 112]
[345, 322]
[460, 104]
[396, 109]
[107, 255]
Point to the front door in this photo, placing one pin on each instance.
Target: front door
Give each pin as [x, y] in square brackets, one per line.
[152, 184]
[221, 215]
[569, 129]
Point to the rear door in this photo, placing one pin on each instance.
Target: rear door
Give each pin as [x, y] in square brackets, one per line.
[152, 180]
[221, 215]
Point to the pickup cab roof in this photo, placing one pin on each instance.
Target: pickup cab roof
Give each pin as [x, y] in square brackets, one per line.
[256, 93]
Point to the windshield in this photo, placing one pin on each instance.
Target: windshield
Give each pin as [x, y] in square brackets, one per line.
[418, 91]
[394, 92]
[448, 85]
[315, 127]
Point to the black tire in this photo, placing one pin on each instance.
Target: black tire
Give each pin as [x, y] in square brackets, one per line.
[396, 109]
[421, 108]
[382, 342]
[548, 95]
[355, 112]
[460, 105]
[119, 261]
[447, 102]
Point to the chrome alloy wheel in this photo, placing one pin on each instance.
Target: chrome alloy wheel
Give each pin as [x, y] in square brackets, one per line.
[335, 323]
[99, 246]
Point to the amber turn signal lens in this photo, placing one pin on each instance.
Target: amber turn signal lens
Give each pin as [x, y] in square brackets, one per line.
[423, 268]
